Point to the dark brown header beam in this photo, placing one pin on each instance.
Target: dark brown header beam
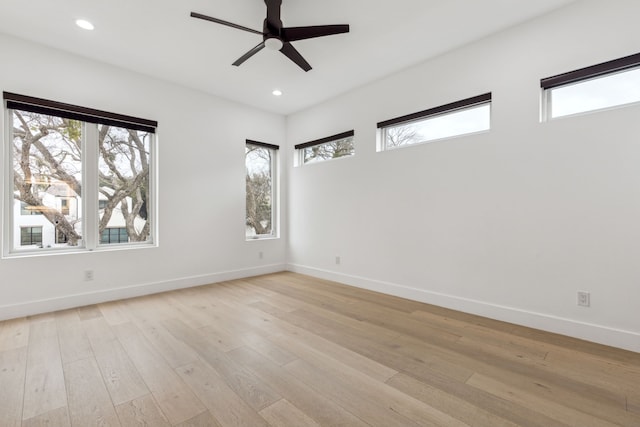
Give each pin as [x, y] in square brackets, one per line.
[332, 138]
[469, 102]
[75, 112]
[262, 144]
[619, 64]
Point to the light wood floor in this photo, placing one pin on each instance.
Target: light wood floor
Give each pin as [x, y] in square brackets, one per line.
[290, 350]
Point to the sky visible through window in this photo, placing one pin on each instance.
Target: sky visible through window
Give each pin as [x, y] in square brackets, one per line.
[595, 94]
[454, 123]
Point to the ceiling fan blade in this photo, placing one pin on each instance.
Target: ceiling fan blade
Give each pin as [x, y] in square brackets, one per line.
[273, 15]
[291, 53]
[220, 21]
[249, 54]
[292, 34]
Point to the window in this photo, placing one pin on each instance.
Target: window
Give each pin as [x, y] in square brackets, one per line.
[30, 236]
[260, 163]
[593, 88]
[463, 117]
[114, 235]
[66, 160]
[332, 147]
[29, 210]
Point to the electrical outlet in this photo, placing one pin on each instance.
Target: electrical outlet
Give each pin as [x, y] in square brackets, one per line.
[584, 299]
[337, 260]
[88, 275]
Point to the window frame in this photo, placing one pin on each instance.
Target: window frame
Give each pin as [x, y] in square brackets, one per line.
[322, 141]
[275, 199]
[90, 120]
[431, 113]
[592, 72]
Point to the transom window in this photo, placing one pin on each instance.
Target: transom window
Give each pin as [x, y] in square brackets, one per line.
[62, 160]
[458, 118]
[331, 147]
[598, 87]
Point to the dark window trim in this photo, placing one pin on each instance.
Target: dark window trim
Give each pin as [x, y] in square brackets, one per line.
[436, 111]
[74, 112]
[320, 141]
[592, 71]
[262, 144]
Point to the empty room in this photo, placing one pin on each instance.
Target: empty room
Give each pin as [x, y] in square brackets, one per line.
[303, 213]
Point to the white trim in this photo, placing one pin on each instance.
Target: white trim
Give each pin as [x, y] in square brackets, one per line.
[12, 311]
[627, 340]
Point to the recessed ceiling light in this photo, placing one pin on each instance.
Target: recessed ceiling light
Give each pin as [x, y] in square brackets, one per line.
[277, 92]
[84, 24]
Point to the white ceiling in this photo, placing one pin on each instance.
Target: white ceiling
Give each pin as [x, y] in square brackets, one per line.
[160, 39]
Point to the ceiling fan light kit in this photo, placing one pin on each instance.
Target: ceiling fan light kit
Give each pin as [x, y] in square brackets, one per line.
[277, 37]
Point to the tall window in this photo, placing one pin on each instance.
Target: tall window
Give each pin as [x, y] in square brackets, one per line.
[463, 117]
[260, 162]
[597, 87]
[123, 164]
[65, 162]
[331, 147]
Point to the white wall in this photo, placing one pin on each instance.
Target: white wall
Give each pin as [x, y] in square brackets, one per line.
[509, 224]
[201, 186]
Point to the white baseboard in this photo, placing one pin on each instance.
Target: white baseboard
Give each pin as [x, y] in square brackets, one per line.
[627, 340]
[34, 307]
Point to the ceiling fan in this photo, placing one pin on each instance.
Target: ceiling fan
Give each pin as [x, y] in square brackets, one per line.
[277, 37]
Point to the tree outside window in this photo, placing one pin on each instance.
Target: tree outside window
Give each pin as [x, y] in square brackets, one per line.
[260, 214]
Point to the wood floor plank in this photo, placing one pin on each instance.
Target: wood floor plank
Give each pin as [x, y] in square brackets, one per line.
[376, 390]
[89, 312]
[114, 312]
[141, 412]
[203, 420]
[224, 404]
[122, 379]
[174, 351]
[174, 397]
[284, 414]
[54, 418]
[354, 399]
[448, 403]
[302, 343]
[44, 382]
[277, 354]
[14, 333]
[548, 407]
[13, 365]
[242, 381]
[89, 401]
[315, 405]
[74, 344]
